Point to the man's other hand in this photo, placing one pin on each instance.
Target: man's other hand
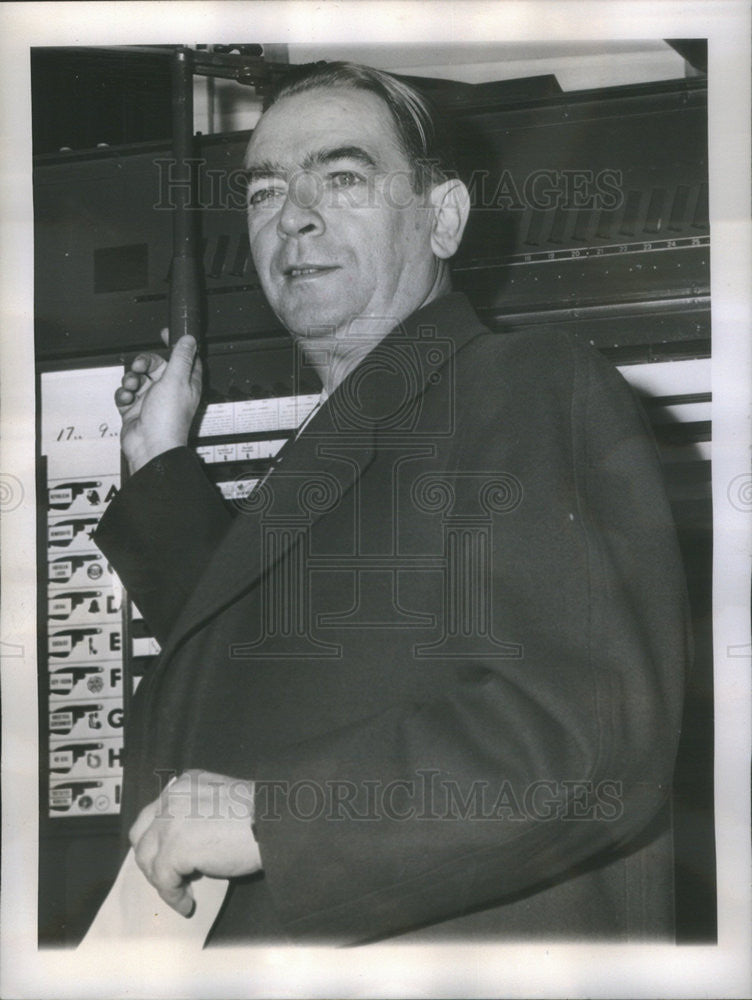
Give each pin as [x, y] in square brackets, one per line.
[157, 401]
[200, 824]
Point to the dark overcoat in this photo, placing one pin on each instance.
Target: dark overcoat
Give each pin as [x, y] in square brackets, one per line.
[446, 637]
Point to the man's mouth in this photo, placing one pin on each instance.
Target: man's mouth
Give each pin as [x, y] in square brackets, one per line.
[308, 270]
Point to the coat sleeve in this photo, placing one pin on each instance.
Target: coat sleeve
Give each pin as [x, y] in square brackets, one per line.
[159, 532]
[537, 764]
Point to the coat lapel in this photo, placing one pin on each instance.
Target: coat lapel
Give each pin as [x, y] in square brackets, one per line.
[309, 472]
[304, 484]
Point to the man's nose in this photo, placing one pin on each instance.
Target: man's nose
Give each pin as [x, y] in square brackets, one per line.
[301, 211]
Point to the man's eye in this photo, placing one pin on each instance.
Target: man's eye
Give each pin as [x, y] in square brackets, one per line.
[263, 196]
[345, 179]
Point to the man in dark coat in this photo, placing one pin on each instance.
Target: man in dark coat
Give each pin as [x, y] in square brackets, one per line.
[428, 679]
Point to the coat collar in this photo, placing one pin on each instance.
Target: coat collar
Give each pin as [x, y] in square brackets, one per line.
[382, 391]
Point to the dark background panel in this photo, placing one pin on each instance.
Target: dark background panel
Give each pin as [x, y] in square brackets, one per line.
[104, 221]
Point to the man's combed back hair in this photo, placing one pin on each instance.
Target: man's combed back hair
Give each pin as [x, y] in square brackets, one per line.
[423, 134]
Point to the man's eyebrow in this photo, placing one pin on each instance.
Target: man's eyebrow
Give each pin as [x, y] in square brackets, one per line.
[323, 156]
[266, 168]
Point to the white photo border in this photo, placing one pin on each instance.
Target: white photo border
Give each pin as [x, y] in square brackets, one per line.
[508, 969]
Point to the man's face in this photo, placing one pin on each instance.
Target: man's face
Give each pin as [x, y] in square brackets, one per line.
[336, 230]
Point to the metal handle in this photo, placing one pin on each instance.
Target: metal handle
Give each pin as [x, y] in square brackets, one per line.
[185, 277]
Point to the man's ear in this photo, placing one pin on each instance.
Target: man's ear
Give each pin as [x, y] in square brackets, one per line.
[450, 201]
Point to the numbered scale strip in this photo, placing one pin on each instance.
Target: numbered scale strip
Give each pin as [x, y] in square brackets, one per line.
[72, 433]
[612, 250]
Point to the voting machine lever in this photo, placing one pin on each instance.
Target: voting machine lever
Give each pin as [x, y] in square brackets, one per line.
[185, 279]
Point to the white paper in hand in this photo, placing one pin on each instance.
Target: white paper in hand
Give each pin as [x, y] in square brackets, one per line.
[134, 912]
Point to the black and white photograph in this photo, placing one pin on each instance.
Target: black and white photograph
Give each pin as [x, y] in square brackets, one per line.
[375, 500]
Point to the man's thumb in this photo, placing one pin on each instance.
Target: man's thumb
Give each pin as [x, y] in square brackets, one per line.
[181, 360]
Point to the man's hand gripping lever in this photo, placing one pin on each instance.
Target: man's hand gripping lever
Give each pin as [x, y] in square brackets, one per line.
[157, 401]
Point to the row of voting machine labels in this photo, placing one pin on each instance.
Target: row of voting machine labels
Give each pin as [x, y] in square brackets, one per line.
[84, 653]
[88, 665]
